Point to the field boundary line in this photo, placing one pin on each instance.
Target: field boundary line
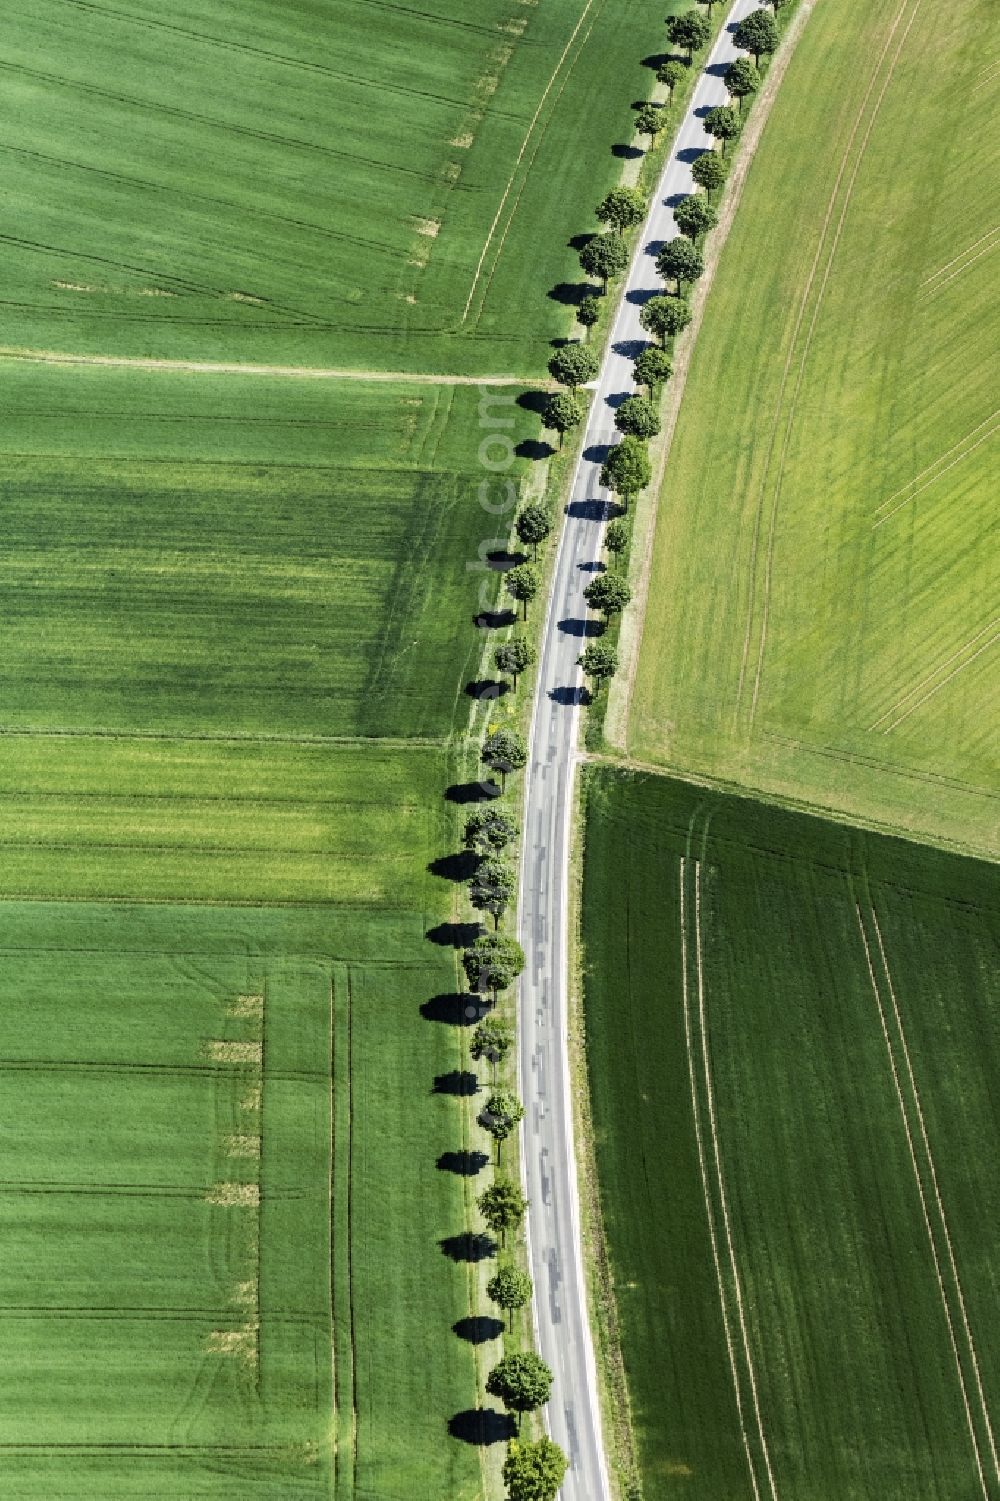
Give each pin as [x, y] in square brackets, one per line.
[710, 1098]
[937, 1190]
[923, 1200]
[520, 157]
[933, 465]
[935, 477]
[817, 305]
[289, 372]
[737, 1388]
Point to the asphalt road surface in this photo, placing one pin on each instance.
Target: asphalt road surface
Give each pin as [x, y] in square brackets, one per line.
[554, 1247]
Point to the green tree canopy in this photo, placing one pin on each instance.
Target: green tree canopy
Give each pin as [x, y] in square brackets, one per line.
[649, 120]
[522, 1381]
[504, 751]
[742, 79]
[509, 1288]
[493, 962]
[522, 583]
[588, 313]
[709, 171]
[514, 657]
[690, 30]
[670, 74]
[681, 260]
[534, 523]
[574, 365]
[492, 1040]
[563, 410]
[502, 1206]
[616, 537]
[599, 662]
[608, 593]
[489, 830]
[493, 887]
[694, 215]
[723, 123]
[652, 367]
[604, 256]
[664, 317]
[501, 1115]
[534, 1472]
[638, 416]
[757, 33]
[622, 209]
[627, 468]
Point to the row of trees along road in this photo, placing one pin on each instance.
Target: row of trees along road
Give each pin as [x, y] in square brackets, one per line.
[521, 1380]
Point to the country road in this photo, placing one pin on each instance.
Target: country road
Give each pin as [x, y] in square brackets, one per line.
[548, 1159]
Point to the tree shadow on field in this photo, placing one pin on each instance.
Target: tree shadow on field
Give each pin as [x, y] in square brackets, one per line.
[655, 60]
[465, 1164]
[502, 560]
[472, 792]
[577, 242]
[479, 1330]
[487, 688]
[461, 1083]
[569, 293]
[494, 620]
[482, 1425]
[454, 935]
[534, 448]
[469, 1246]
[534, 401]
[456, 1010]
[626, 153]
[461, 866]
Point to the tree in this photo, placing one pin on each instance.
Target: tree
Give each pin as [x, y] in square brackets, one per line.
[488, 831]
[522, 1381]
[649, 121]
[493, 963]
[534, 523]
[502, 1114]
[509, 1288]
[627, 469]
[534, 1471]
[665, 317]
[492, 888]
[681, 260]
[574, 365]
[694, 216]
[514, 656]
[670, 74]
[604, 256]
[690, 30]
[723, 123]
[599, 662]
[709, 171]
[616, 537]
[742, 79]
[757, 33]
[522, 583]
[623, 208]
[608, 593]
[637, 416]
[563, 410]
[505, 751]
[652, 367]
[493, 1040]
[588, 313]
[502, 1206]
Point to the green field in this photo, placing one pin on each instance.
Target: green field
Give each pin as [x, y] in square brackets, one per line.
[794, 1052]
[199, 1107]
[822, 617]
[317, 183]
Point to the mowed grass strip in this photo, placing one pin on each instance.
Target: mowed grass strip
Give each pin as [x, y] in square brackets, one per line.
[192, 1196]
[220, 554]
[311, 184]
[822, 617]
[808, 1278]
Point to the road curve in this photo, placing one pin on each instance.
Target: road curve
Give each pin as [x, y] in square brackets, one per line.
[547, 1151]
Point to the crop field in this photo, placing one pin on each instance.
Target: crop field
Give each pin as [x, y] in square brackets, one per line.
[793, 1046]
[320, 183]
[823, 618]
[198, 1211]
